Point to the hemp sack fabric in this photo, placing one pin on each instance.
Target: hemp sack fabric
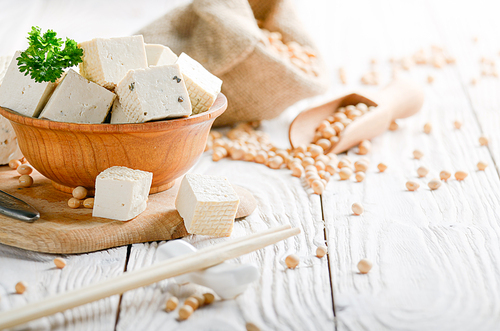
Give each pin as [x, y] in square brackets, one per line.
[224, 36]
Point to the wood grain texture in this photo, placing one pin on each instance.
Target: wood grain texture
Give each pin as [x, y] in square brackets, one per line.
[63, 230]
[44, 280]
[459, 39]
[181, 265]
[281, 299]
[435, 253]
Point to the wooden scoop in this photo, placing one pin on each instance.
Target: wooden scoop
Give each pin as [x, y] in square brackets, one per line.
[400, 99]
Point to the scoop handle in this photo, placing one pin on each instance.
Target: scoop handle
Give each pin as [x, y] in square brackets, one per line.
[401, 98]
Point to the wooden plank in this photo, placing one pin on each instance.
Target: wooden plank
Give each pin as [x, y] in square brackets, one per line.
[483, 24]
[297, 299]
[45, 280]
[435, 253]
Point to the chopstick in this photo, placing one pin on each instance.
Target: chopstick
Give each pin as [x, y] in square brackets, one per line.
[198, 260]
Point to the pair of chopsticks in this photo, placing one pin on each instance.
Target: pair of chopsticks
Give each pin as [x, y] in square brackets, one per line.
[198, 260]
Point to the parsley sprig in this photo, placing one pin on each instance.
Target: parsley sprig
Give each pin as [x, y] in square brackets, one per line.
[44, 60]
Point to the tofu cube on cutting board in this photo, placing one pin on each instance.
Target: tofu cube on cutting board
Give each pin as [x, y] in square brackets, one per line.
[21, 93]
[207, 204]
[121, 193]
[153, 93]
[203, 87]
[159, 55]
[78, 100]
[106, 61]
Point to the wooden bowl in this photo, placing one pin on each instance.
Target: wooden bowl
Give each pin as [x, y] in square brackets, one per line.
[72, 154]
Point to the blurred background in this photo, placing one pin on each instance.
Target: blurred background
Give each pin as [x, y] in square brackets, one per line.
[348, 33]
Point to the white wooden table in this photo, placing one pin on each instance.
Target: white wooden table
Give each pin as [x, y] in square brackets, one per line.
[436, 254]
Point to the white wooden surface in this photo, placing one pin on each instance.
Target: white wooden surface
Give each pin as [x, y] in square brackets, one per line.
[43, 279]
[436, 253]
[282, 299]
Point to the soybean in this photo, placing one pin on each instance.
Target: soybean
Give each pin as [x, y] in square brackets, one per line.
[412, 186]
[460, 175]
[292, 261]
[481, 165]
[345, 173]
[422, 171]
[434, 184]
[357, 209]
[321, 251]
[185, 312]
[25, 180]
[381, 167]
[364, 266]
[444, 175]
[14, 164]
[171, 304]
[24, 169]
[74, 203]
[80, 192]
[59, 262]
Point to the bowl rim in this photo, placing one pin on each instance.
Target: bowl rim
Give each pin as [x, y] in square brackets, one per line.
[217, 109]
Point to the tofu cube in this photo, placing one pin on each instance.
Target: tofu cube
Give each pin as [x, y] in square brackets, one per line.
[78, 100]
[118, 116]
[9, 149]
[207, 204]
[121, 193]
[154, 93]
[106, 61]
[159, 55]
[21, 93]
[203, 87]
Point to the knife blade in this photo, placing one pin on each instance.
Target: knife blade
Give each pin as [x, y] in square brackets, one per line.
[13, 207]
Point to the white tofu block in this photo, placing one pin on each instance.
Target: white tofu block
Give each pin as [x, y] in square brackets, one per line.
[203, 87]
[121, 193]
[9, 149]
[78, 100]
[154, 93]
[159, 55]
[21, 93]
[118, 116]
[106, 61]
[207, 204]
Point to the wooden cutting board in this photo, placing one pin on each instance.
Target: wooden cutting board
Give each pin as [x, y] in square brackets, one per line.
[63, 230]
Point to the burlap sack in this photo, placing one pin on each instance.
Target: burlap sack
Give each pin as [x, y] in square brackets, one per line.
[224, 36]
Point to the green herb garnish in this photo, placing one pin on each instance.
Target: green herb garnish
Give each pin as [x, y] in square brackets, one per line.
[44, 60]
